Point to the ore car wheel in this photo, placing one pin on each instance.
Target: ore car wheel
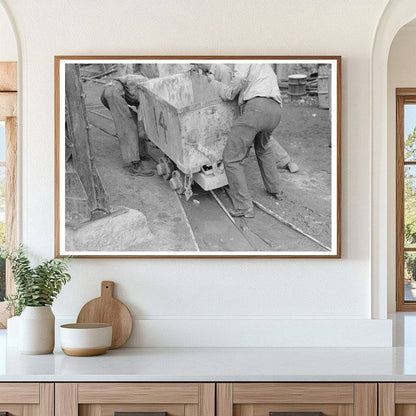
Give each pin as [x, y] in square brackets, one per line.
[176, 182]
[160, 169]
[165, 167]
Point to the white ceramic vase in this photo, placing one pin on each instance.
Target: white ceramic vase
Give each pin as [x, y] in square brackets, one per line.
[37, 330]
[13, 331]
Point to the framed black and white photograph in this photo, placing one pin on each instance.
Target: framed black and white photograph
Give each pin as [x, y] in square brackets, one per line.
[198, 156]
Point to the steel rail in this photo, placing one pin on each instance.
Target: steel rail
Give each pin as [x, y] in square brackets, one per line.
[289, 224]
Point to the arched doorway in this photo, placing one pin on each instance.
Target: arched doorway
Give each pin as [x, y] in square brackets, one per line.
[401, 170]
[396, 14]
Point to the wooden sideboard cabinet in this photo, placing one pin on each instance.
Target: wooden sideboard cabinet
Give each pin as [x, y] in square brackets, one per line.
[297, 399]
[108, 399]
[208, 399]
[397, 399]
[27, 399]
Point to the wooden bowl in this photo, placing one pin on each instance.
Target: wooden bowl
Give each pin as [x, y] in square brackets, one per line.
[85, 340]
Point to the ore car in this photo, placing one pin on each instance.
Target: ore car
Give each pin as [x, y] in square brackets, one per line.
[186, 119]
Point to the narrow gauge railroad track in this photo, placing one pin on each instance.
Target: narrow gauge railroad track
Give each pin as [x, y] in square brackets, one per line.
[266, 232]
[245, 228]
[254, 238]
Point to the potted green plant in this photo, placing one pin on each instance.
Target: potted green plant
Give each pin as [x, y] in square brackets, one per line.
[36, 289]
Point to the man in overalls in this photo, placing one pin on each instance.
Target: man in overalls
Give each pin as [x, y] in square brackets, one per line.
[121, 97]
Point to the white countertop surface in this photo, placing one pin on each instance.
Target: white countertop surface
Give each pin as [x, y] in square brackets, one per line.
[213, 364]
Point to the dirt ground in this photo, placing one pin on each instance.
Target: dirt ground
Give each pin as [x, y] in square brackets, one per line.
[180, 225]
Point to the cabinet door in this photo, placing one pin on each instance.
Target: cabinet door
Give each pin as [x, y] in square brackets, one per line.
[297, 399]
[397, 399]
[26, 399]
[145, 399]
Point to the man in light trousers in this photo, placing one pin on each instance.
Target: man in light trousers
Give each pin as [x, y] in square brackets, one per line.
[224, 73]
[259, 96]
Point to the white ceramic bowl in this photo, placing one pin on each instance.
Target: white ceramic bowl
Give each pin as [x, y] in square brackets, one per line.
[83, 340]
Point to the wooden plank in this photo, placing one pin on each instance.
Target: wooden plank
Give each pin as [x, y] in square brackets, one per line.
[66, 399]
[77, 125]
[8, 76]
[138, 393]
[8, 105]
[78, 134]
[252, 393]
[24, 393]
[405, 393]
[365, 403]
[47, 399]
[224, 399]
[386, 399]
[207, 399]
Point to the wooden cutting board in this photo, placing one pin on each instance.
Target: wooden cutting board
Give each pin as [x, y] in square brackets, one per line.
[107, 309]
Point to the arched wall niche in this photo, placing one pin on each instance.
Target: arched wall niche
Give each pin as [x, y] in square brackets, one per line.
[396, 14]
[9, 50]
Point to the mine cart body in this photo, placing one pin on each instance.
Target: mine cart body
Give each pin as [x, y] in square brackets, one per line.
[186, 119]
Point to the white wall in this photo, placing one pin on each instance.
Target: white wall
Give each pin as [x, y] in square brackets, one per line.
[8, 47]
[179, 302]
[401, 74]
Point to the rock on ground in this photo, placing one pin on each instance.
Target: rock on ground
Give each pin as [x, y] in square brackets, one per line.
[124, 230]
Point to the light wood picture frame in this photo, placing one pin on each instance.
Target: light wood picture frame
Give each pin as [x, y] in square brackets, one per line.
[183, 109]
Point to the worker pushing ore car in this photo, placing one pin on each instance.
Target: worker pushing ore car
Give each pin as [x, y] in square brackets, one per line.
[224, 74]
[121, 96]
[185, 117]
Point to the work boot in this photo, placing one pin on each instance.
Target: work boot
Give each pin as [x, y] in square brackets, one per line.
[145, 157]
[292, 167]
[137, 169]
[276, 195]
[246, 213]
